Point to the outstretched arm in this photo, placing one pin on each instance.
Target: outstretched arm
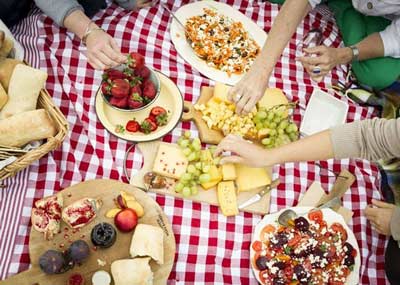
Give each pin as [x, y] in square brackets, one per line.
[252, 87]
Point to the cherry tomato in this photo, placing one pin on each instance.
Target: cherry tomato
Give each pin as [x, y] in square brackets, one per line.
[295, 240]
[267, 230]
[338, 228]
[288, 271]
[265, 280]
[257, 245]
[155, 111]
[316, 216]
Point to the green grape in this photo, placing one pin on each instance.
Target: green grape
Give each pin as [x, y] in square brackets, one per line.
[293, 127]
[261, 115]
[191, 169]
[187, 134]
[257, 120]
[281, 132]
[192, 183]
[192, 156]
[266, 124]
[272, 125]
[196, 147]
[283, 125]
[270, 116]
[186, 192]
[194, 190]
[277, 120]
[206, 168]
[186, 177]
[272, 132]
[184, 143]
[179, 186]
[266, 141]
[180, 140]
[197, 173]
[198, 165]
[187, 151]
[259, 126]
[293, 136]
[204, 178]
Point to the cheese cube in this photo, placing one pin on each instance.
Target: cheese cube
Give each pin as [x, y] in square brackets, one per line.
[228, 172]
[170, 161]
[227, 198]
[249, 178]
[221, 92]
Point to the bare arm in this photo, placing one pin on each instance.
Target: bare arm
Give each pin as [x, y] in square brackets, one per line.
[252, 87]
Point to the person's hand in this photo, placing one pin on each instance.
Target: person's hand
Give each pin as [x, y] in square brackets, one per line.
[380, 216]
[242, 151]
[322, 59]
[249, 90]
[143, 4]
[102, 50]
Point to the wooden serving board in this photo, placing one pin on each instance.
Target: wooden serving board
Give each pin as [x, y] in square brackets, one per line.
[149, 151]
[106, 190]
[206, 134]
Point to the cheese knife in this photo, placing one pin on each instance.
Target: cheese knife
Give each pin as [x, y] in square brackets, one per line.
[259, 195]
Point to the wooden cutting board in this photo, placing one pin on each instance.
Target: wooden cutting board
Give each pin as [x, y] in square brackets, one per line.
[206, 134]
[149, 151]
[106, 190]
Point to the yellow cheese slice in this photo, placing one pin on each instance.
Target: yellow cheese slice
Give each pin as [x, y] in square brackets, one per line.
[249, 178]
[227, 198]
[221, 92]
[272, 97]
[170, 161]
[228, 172]
[216, 177]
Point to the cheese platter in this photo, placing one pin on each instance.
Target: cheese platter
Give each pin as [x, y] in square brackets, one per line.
[116, 254]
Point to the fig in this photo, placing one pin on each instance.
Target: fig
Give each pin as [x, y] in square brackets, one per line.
[103, 235]
[52, 262]
[78, 251]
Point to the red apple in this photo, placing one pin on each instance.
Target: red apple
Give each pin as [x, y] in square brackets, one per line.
[126, 220]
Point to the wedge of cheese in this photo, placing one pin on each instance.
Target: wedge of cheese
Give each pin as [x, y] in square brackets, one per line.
[170, 161]
[228, 172]
[221, 92]
[216, 177]
[272, 97]
[227, 198]
[249, 178]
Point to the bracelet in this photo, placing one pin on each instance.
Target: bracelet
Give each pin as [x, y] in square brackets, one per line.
[356, 53]
[89, 31]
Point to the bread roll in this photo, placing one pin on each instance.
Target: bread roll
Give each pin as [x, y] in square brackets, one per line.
[132, 272]
[23, 91]
[3, 96]
[7, 66]
[23, 128]
[148, 240]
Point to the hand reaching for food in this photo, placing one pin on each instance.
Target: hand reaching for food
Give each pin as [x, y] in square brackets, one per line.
[143, 4]
[380, 216]
[249, 90]
[242, 151]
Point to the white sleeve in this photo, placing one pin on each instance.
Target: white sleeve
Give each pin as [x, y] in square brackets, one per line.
[314, 3]
[391, 39]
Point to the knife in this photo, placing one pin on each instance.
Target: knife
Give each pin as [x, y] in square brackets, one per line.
[259, 195]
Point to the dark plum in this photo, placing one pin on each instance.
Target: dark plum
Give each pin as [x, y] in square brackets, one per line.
[261, 263]
[78, 251]
[278, 281]
[103, 235]
[52, 262]
[301, 224]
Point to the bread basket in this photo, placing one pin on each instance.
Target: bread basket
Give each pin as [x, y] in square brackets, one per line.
[25, 159]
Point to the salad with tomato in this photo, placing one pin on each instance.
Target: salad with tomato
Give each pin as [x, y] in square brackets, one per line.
[309, 251]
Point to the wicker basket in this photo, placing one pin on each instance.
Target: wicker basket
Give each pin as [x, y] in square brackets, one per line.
[61, 124]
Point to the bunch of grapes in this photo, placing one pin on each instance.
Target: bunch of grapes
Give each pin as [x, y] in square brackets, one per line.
[274, 126]
[198, 169]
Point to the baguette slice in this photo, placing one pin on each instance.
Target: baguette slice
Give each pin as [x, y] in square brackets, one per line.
[135, 271]
[81, 212]
[148, 240]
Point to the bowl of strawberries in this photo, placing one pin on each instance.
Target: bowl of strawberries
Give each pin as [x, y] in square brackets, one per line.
[132, 86]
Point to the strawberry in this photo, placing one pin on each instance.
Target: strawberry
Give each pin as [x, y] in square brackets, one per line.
[113, 74]
[148, 126]
[136, 90]
[135, 101]
[106, 88]
[157, 110]
[119, 102]
[143, 72]
[149, 90]
[162, 119]
[132, 126]
[135, 60]
[120, 88]
[160, 115]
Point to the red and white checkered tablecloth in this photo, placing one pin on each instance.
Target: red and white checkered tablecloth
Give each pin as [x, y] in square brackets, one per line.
[211, 249]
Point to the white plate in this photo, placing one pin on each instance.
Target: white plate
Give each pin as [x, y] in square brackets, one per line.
[170, 98]
[186, 51]
[330, 217]
[323, 111]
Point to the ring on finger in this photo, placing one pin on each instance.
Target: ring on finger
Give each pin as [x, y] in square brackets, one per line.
[316, 70]
[238, 97]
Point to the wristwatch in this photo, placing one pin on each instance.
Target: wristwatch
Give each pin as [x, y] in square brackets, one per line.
[356, 53]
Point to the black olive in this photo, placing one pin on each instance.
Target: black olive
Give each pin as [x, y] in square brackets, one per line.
[103, 235]
[301, 224]
[261, 263]
[278, 281]
[349, 260]
[348, 248]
